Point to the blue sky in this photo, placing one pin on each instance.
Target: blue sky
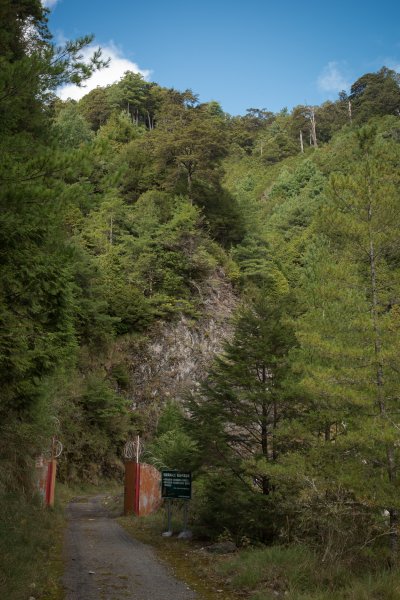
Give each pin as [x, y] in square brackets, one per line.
[242, 53]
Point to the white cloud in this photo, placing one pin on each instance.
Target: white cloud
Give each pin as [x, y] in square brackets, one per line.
[49, 3]
[332, 79]
[117, 67]
[392, 64]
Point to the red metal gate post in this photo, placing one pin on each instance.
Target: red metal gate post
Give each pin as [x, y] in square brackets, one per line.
[51, 482]
[132, 487]
[132, 451]
[137, 488]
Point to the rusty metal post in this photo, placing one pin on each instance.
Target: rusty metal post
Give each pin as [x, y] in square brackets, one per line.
[51, 481]
[129, 494]
[137, 488]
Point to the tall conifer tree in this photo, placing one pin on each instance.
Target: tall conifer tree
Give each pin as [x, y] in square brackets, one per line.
[349, 334]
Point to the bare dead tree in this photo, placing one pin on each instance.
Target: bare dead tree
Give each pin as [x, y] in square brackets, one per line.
[313, 127]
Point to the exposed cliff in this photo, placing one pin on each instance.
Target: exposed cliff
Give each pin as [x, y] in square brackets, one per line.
[175, 356]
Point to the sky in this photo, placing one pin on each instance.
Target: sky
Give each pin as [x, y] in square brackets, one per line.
[242, 53]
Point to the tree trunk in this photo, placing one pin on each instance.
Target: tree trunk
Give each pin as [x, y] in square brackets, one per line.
[190, 185]
[274, 425]
[380, 397]
[301, 142]
[394, 540]
[264, 433]
[327, 432]
[313, 128]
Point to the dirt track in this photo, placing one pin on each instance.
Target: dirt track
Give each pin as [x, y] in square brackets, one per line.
[103, 562]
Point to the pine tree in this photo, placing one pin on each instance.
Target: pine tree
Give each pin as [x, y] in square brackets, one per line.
[242, 405]
[349, 333]
[37, 289]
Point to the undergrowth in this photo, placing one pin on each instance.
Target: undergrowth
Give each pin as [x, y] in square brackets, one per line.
[297, 573]
[286, 572]
[30, 549]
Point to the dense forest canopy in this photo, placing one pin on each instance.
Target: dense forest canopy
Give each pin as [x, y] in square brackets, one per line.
[118, 210]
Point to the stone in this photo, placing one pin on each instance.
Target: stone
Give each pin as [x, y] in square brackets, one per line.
[185, 535]
[168, 534]
[222, 548]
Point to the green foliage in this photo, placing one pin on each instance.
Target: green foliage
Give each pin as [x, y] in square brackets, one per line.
[97, 421]
[224, 220]
[176, 450]
[224, 504]
[169, 250]
[94, 325]
[95, 107]
[172, 447]
[349, 337]
[70, 128]
[187, 146]
[243, 131]
[37, 298]
[171, 418]
[376, 94]
[37, 288]
[114, 214]
[337, 431]
[238, 414]
[118, 130]
[256, 264]
[276, 143]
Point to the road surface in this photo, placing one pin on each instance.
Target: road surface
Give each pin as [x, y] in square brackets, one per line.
[103, 562]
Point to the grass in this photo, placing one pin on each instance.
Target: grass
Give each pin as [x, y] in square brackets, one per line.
[277, 567]
[31, 542]
[296, 573]
[30, 550]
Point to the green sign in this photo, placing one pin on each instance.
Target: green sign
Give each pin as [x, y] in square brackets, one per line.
[176, 484]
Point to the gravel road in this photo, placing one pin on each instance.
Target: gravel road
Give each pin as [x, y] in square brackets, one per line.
[103, 562]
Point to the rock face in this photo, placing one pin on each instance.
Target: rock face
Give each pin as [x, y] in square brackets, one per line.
[176, 356]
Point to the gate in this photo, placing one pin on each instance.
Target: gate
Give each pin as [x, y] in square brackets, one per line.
[142, 483]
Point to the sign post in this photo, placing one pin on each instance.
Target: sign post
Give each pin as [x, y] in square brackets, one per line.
[168, 533]
[176, 485]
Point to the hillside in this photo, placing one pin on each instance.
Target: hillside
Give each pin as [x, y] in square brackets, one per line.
[226, 286]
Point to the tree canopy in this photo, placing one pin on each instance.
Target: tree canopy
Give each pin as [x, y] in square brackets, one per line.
[122, 213]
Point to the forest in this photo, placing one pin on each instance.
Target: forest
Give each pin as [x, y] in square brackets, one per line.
[124, 217]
